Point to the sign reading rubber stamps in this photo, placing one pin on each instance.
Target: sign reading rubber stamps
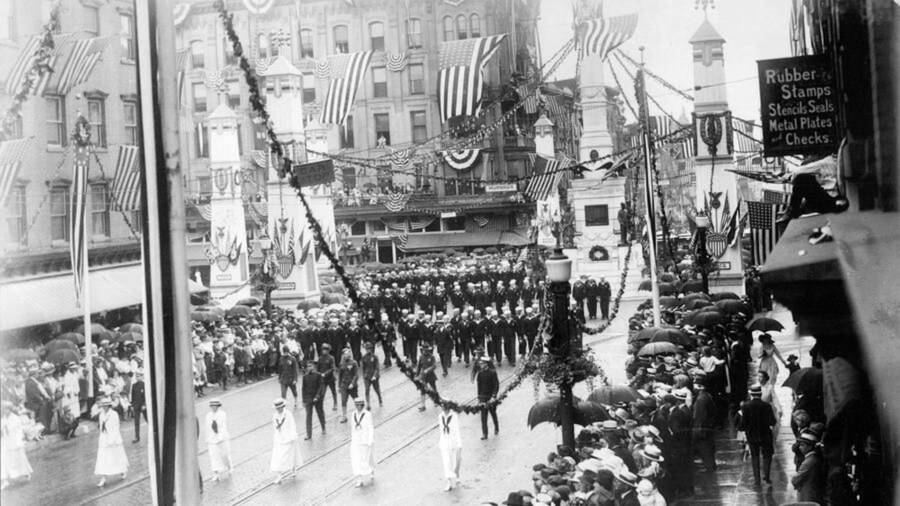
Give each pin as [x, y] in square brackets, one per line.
[798, 99]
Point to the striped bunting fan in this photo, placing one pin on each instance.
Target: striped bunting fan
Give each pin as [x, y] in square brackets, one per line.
[396, 202]
[402, 157]
[460, 81]
[401, 241]
[262, 64]
[347, 71]
[258, 6]
[11, 154]
[544, 180]
[27, 56]
[462, 159]
[82, 57]
[395, 62]
[180, 12]
[323, 69]
[261, 158]
[126, 186]
[600, 36]
[205, 211]
[481, 220]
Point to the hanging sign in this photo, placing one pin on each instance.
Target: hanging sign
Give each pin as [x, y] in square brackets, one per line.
[447, 215]
[799, 105]
[500, 187]
[314, 173]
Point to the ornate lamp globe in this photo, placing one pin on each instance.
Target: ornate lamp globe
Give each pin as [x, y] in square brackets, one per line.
[559, 267]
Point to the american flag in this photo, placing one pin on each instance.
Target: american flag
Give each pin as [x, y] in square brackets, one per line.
[11, 154]
[459, 78]
[126, 186]
[556, 109]
[82, 57]
[544, 179]
[744, 139]
[303, 243]
[530, 98]
[26, 59]
[77, 213]
[763, 229]
[347, 71]
[661, 125]
[776, 197]
[180, 64]
[600, 36]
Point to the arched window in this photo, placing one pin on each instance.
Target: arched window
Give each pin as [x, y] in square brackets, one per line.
[341, 39]
[448, 28]
[306, 44]
[462, 28]
[376, 35]
[475, 25]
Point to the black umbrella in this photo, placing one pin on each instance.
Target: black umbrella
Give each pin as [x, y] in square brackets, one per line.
[60, 344]
[613, 394]
[131, 327]
[587, 412]
[547, 410]
[724, 296]
[673, 336]
[734, 306]
[667, 277]
[75, 337]
[667, 289]
[694, 296]
[698, 303]
[249, 301]
[669, 301]
[239, 310]
[658, 348]
[63, 356]
[692, 286]
[646, 285]
[646, 334]
[805, 380]
[765, 324]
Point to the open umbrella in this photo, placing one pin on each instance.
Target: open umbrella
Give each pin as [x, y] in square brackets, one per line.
[587, 412]
[250, 301]
[131, 327]
[308, 304]
[667, 277]
[667, 289]
[687, 299]
[698, 303]
[129, 337]
[765, 324]
[673, 336]
[646, 334]
[669, 301]
[646, 285]
[20, 355]
[692, 286]
[613, 394]
[805, 380]
[239, 311]
[724, 296]
[72, 336]
[60, 344]
[659, 348]
[63, 356]
[734, 306]
[212, 309]
[205, 316]
[547, 410]
[705, 318]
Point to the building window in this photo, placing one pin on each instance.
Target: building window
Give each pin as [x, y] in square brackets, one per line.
[240, 138]
[462, 28]
[230, 59]
[383, 128]
[97, 120]
[59, 214]
[416, 79]
[341, 39]
[15, 129]
[234, 94]
[358, 228]
[92, 19]
[475, 25]
[197, 54]
[99, 210]
[376, 36]
[201, 141]
[596, 216]
[347, 133]
[204, 187]
[132, 132]
[309, 88]
[8, 21]
[434, 226]
[199, 93]
[306, 44]
[16, 217]
[262, 46]
[126, 28]
[448, 28]
[378, 226]
[56, 121]
[418, 125]
[379, 82]
[348, 175]
[454, 224]
[414, 33]
[274, 47]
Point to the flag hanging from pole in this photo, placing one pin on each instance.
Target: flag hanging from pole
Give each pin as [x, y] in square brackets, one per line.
[82, 57]
[544, 180]
[24, 62]
[347, 71]
[78, 200]
[600, 36]
[126, 185]
[763, 229]
[11, 154]
[460, 81]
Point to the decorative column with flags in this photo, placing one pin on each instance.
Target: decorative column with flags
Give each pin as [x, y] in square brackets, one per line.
[78, 236]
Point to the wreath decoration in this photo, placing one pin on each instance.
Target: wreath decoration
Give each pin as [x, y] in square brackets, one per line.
[598, 254]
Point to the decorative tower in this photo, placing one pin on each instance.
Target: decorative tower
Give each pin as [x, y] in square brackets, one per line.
[717, 194]
[543, 137]
[291, 239]
[227, 251]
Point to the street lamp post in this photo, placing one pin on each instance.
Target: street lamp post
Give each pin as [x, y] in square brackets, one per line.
[559, 271]
[702, 253]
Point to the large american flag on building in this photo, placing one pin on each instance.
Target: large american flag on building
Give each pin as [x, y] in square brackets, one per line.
[347, 71]
[763, 229]
[545, 178]
[81, 59]
[78, 201]
[459, 79]
[126, 185]
[602, 35]
[11, 154]
[26, 59]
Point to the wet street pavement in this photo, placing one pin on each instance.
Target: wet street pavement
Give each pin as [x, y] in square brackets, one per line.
[408, 469]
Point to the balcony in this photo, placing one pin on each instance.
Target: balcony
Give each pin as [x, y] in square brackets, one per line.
[428, 202]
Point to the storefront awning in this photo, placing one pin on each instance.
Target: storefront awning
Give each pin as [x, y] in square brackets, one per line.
[794, 259]
[486, 238]
[39, 300]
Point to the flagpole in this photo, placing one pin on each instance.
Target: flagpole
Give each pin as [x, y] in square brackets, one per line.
[640, 84]
[86, 305]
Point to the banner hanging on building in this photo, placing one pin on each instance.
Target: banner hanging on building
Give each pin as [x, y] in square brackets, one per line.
[798, 99]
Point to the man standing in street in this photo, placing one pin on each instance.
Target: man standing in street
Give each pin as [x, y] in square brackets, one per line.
[591, 293]
[371, 373]
[313, 392]
[757, 420]
[488, 385]
[326, 367]
[605, 295]
[704, 422]
[443, 337]
[138, 404]
[287, 373]
[623, 220]
[37, 399]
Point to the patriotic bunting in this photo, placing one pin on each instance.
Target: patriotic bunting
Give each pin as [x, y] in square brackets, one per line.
[258, 6]
[304, 243]
[347, 71]
[205, 211]
[214, 80]
[462, 159]
[481, 220]
[126, 186]
[763, 229]
[600, 36]
[262, 64]
[11, 154]
[421, 223]
[180, 13]
[401, 241]
[460, 81]
[323, 69]
[396, 202]
[402, 157]
[78, 201]
[544, 180]
[395, 62]
[83, 56]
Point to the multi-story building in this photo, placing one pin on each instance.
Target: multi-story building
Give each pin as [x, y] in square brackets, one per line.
[396, 107]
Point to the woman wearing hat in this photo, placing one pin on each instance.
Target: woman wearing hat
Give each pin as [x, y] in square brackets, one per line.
[111, 458]
[13, 461]
[362, 438]
[218, 440]
[450, 444]
[285, 451]
[767, 356]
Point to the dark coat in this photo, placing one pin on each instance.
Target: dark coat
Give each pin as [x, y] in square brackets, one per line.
[488, 384]
[704, 411]
[287, 369]
[313, 387]
[138, 395]
[810, 478]
[757, 420]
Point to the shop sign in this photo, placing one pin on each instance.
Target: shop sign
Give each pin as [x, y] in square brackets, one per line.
[314, 173]
[500, 187]
[450, 214]
[224, 277]
[798, 99]
[286, 285]
[723, 266]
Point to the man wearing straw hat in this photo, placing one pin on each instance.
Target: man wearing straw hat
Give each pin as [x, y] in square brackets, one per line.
[111, 458]
[285, 451]
[362, 438]
[756, 421]
[218, 440]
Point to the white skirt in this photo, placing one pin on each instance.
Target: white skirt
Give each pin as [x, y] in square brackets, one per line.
[111, 460]
[220, 456]
[285, 457]
[363, 459]
[14, 464]
[451, 458]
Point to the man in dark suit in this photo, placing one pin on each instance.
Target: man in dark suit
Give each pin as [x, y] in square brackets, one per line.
[37, 399]
[605, 295]
[138, 404]
[704, 422]
[488, 385]
[810, 478]
[757, 420]
[312, 391]
[591, 293]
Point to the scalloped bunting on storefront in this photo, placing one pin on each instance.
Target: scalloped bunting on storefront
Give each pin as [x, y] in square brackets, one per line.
[402, 157]
[180, 12]
[462, 159]
[258, 6]
[395, 62]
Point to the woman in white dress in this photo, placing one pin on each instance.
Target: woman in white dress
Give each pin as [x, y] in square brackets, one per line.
[362, 438]
[13, 461]
[450, 444]
[285, 450]
[111, 458]
[218, 441]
